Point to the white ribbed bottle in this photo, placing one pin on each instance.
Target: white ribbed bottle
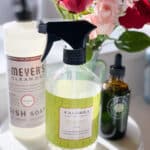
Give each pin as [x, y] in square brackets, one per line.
[24, 47]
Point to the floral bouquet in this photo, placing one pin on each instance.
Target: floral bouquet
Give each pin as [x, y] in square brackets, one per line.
[107, 15]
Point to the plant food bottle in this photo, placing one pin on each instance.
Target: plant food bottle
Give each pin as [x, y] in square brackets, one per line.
[115, 102]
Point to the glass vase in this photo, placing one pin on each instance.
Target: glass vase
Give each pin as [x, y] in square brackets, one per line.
[97, 65]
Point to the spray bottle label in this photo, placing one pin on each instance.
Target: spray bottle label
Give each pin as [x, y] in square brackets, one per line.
[72, 123]
[26, 91]
[75, 124]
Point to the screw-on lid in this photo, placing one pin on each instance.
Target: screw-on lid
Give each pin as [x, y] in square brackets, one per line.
[74, 57]
[117, 69]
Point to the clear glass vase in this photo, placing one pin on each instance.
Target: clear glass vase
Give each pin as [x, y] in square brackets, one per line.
[97, 65]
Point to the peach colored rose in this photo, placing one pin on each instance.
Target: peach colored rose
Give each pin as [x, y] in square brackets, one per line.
[93, 19]
[108, 11]
[105, 17]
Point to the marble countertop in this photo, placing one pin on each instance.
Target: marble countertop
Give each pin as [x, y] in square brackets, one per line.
[139, 110]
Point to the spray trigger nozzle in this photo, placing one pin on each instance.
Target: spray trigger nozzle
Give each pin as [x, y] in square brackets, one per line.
[75, 33]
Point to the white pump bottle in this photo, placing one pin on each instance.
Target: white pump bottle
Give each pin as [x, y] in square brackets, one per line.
[24, 47]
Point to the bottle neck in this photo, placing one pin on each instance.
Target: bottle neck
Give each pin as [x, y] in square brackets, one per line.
[73, 68]
[116, 78]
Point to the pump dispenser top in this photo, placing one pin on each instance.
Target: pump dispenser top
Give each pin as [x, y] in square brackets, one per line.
[75, 33]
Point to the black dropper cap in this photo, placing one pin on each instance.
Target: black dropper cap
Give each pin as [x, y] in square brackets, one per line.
[117, 69]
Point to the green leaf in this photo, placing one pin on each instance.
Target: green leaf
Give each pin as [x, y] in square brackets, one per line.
[133, 41]
[95, 43]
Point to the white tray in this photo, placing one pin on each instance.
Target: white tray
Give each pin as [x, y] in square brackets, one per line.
[132, 141]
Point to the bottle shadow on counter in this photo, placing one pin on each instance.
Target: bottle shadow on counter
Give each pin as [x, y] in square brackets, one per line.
[39, 143]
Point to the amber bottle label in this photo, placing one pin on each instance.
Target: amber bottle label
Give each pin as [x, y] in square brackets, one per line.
[118, 106]
[26, 91]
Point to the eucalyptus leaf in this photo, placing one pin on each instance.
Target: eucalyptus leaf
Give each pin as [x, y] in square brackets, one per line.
[133, 41]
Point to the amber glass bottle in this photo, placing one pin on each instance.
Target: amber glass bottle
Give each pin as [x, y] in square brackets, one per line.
[115, 102]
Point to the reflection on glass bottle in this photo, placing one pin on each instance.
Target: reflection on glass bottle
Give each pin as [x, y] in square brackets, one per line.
[147, 77]
[115, 102]
[97, 65]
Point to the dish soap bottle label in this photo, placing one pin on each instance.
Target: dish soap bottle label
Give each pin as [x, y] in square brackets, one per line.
[26, 90]
[72, 123]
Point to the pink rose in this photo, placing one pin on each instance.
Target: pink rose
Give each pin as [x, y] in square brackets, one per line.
[75, 6]
[93, 19]
[107, 11]
[105, 17]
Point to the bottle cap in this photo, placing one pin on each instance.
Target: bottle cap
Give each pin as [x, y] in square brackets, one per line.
[117, 69]
[74, 57]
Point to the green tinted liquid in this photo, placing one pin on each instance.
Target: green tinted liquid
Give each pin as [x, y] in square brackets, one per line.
[53, 106]
[115, 97]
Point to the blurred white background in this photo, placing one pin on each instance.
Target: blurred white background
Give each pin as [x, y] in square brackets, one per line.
[45, 7]
[45, 10]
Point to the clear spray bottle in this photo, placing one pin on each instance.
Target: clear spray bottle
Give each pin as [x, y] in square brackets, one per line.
[73, 92]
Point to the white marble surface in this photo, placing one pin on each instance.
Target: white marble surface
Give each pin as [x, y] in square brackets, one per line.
[138, 110]
[132, 141]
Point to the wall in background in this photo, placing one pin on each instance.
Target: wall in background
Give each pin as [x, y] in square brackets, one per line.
[6, 11]
[46, 10]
